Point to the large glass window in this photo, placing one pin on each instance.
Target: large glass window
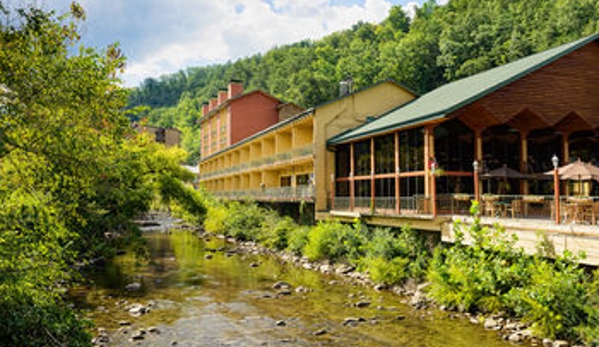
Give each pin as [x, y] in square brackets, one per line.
[542, 145]
[385, 187]
[342, 188]
[342, 166]
[362, 188]
[584, 145]
[411, 150]
[501, 146]
[454, 146]
[303, 180]
[362, 158]
[384, 154]
[454, 185]
[411, 186]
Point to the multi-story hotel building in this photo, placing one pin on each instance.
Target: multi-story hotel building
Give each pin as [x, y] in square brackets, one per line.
[288, 160]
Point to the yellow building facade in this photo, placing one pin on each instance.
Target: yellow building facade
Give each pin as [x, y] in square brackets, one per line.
[290, 161]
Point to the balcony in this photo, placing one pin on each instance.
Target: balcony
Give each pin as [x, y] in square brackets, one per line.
[280, 194]
[258, 164]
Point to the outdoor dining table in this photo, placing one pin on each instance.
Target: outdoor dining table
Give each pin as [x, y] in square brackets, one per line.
[578, 210]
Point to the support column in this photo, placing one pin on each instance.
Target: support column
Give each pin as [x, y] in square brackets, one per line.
[478, 157]
[351, 177]
[566, 158]
[397, 171]
[332, 207]
[429, 150]
[372, 169]
[524, 160]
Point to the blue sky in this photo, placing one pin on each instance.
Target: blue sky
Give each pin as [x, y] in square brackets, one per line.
[165, 36]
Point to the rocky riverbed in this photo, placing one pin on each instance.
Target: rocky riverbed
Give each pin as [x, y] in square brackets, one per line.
[210, 292]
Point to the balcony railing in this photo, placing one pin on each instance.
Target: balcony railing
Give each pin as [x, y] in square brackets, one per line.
[580, 210]
[299, 193]
[270, 160]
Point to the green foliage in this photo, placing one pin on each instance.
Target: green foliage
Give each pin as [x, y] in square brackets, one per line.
[276, 231]
[555, 298]
[298, 239]
[478, 276]
[217, 214]
[391, 257]
[39, 324]
[244, 221]
[335, 241]
[388, 271]
[73, 176]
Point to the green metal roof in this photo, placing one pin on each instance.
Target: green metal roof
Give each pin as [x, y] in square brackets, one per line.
[452, 96]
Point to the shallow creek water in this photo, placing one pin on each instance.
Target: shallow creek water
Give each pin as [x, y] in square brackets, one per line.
[225, 301]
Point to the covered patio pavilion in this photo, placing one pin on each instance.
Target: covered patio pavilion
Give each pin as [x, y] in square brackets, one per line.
[430, 156]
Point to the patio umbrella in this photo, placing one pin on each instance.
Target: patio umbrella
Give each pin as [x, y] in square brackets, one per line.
[577, 170]
[503, 173]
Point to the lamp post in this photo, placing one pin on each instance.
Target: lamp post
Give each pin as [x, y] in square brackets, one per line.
[556, 208]
[476, 181]
[434, 189]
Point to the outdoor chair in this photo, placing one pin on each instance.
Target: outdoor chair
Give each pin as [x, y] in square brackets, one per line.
[515, 208]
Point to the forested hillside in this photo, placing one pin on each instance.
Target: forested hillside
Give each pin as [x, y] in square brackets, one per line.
[440, 44]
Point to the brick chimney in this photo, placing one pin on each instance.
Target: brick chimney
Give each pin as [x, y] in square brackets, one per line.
[235, 88]
[213, 103]
[205, 108]
[222, 96]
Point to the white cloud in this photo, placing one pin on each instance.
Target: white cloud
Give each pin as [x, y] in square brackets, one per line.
[160, 36]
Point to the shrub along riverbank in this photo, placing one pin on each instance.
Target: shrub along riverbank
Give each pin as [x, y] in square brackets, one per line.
[558, 298]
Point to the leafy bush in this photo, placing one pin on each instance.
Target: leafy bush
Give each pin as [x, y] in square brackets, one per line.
[393, 271]
[276, 230]
[244, 221]
[554, 299]
[477, 276]
[25, 323]
[405, 247]
[298, 239]
[335, 240]
[216, 215]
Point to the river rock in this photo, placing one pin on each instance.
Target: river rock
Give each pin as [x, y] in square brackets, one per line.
[361, 304]
[492, 324]
[280, 323]
[124, 323]
[320, 332]
[133, 287]
[352, 321]
[281, 285]
[547, 343]
[325, 268]
[253, 264]
[560, 343]
[137, 309]
[208, 256]
[379, 287]
[419, 301]
[344, 269]
[515, 337]
[137, 336]
[302, 289]
[154, 330]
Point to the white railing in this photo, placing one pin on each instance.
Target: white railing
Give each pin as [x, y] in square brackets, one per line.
[297, 193]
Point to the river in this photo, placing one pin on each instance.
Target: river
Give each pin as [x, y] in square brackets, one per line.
[198, 296]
